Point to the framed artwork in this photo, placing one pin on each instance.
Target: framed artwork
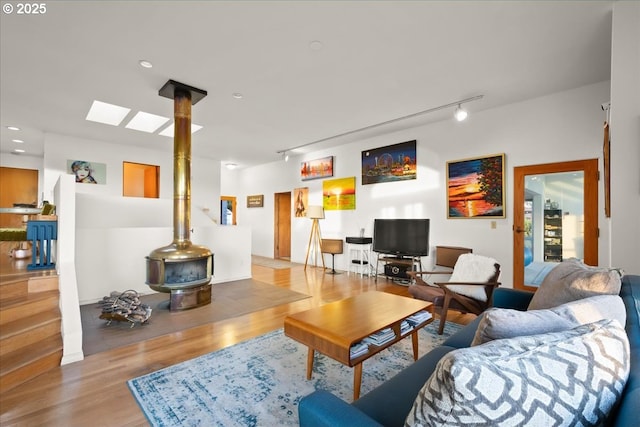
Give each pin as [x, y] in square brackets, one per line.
[391, 163]
[606, 154]
[88, 172]
[256, 201]
[475, 187]
[339, 194]
[300, 202]
[314, 169]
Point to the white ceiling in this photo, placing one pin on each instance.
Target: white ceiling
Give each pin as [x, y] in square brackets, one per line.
[379, 60]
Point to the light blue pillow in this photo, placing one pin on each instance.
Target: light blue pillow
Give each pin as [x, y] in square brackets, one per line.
[500, 323]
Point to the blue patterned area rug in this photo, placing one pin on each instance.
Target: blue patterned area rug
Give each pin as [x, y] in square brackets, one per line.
[259, 382]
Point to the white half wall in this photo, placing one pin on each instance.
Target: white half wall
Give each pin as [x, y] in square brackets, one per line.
[114, 235]
[71, 328]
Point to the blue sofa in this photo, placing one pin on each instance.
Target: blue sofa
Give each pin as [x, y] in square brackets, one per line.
[389, 404]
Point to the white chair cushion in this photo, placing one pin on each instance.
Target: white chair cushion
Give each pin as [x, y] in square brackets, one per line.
[472, 268]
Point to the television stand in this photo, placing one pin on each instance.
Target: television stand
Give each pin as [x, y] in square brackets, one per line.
[396, 266]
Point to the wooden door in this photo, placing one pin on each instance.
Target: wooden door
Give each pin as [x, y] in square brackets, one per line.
[17, 186]
[531, 232]
[282, 225]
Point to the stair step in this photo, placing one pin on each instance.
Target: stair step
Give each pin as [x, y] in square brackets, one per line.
[20, 308]
[23, 332]
[14, 289]
[28, 362]
[43, 283]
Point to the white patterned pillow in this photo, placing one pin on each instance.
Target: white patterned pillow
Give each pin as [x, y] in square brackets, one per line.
[573, 377]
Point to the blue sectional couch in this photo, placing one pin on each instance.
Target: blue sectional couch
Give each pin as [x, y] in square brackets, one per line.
[389, 404]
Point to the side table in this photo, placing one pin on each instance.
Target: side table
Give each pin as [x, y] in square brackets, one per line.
[359, 251]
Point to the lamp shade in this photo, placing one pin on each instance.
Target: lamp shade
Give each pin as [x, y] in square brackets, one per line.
[315, 212]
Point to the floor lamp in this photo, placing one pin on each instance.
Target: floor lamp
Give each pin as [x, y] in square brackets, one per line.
[316, 213]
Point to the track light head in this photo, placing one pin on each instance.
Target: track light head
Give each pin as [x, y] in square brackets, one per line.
[460, 114]
[285, 156]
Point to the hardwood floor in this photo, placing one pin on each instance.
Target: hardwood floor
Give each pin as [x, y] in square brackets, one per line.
[94, 391]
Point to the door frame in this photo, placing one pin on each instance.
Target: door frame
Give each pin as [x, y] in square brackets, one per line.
[282, 225]
[234, 205]
[590, 190]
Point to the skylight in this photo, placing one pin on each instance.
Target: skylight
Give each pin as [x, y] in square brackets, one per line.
[108, 114]
[146, 122]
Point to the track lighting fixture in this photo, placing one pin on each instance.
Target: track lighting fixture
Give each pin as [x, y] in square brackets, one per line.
[285, 156]
[460, 114]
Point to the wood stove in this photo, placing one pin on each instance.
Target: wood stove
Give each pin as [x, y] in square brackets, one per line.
[181, 268]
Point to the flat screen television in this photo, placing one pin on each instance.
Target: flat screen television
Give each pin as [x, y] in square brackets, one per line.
[401, 237]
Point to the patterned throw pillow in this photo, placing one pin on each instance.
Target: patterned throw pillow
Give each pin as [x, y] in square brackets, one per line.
[500, 323]
[572, 280]
[573, 377]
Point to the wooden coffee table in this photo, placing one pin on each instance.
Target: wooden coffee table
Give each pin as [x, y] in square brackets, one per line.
[333, 328]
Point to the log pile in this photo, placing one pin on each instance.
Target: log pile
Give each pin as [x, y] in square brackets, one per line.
[124, 307]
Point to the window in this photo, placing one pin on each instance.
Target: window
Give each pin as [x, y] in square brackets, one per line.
[139, 180]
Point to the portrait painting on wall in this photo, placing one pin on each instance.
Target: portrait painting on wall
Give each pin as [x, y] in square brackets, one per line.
[391, 163]
[314, 169]
[300, 202]
[339, 194]
[88, 172]
[475, 187]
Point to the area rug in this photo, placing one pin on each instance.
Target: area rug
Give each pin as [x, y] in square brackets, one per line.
[228, 300]
[277, 264]
[259, 382]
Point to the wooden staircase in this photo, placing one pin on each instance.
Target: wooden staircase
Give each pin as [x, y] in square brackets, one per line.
[30, 338]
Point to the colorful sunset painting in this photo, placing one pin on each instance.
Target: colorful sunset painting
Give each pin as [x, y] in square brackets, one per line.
[475, 187]
[339, 194]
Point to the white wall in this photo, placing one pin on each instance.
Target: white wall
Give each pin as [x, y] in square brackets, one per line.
[113, 234]
[625, 137]
[554, 128]
[205, 173]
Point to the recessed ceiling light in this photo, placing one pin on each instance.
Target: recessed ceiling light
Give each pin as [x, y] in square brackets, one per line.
[13, 128]
[108, 114]
[316, 45]
[146, 122]
[237, 95]
[18, 141]
[18, 150]
[168, 131]
[146, 64]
